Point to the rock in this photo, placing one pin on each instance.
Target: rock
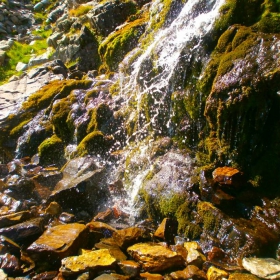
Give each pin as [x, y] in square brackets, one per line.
[194, 256]
[81, 185]
[242, 276]
[104, 216]
[8, 246]
[102, 229]
[167, 230]
[67, 218]
[128, 236]
[45, 275]
[214, 273]
[40, 59]
[112, 276]
[151, 276]
[10, 264]
[59, 242]
[266, 268]
[3, 275]
[155, 257]
[25, 231]
[190, 272]
[53, 209]
[52, 40]
[8, 204]
[227, 176]
[94, 261]
[21, 66]
[13, 219]
[2, 57]
[3, 170]
[130, 268]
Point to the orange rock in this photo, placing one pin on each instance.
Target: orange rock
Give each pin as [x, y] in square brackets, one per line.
[227, 175]
[150, 276]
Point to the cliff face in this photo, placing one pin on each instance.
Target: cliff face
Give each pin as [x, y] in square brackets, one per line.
[161, 93]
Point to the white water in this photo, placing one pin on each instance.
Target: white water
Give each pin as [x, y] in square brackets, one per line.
[186, 34]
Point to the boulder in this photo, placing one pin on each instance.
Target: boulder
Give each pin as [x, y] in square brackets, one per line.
[266, 268]
[59, 242]
[155, 257]
[94, 261]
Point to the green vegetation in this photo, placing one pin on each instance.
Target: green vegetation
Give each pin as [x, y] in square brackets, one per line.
[81, 10]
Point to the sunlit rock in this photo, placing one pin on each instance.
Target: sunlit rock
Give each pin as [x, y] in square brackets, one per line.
[190, 272]
[167, 230]
[25, 231]
[3, 275]
[195, 255]
[151, 276]
[112, 276]
[266, 268]
[45, 275]
[227, 176]
[67, 218]
[94, 261]
[59, 242]
[242, 276]
[128, 236]
[130, 268]
[10, 264]
[214, 273]
[155, 257]
[53, 209]
[15, 218]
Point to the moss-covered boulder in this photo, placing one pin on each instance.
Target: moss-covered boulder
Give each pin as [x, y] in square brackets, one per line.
[51, 151]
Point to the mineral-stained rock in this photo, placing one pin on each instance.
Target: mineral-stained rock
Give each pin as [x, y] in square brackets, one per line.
[242, 276]
[112, 276]
[53, 209]
[195, 256]
[130, 268]
[94, 261]
[214, 273]
[155, 257]
[266, 268]
[190, 272]
[167, 230]
[30, 229]
[13, 219]
[8, 246]
[10, 264]
[128, 236]
[45, 275]
[3, 275]
[151, 276]
[227, 175]
[59, 242]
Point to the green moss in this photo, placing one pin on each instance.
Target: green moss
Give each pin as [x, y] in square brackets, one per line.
[51, 151]
[16, 131]
[94, 143]
[119, 43]
[79, 11]
[169, 204]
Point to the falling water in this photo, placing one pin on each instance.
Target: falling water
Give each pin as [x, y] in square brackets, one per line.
[184, 40]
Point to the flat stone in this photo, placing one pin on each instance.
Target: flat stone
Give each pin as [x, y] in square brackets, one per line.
[59, 242]
[3, 275]
[15, 218]
[227, 175]
[242, 276]
[130, 268]
[151, 276]
[190, 272]
[21, 66]
[98, 260]
[266, 268]
[214, 273]
[155, 257]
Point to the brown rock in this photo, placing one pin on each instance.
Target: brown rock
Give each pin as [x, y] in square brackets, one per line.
[167, 230]
[130, 268]
[150, 276]
[10, 264]
[214, 273]
[48, 275]
[190, 272]
[8, 246]
[15, 218]
[195, 256]
[227, 176]
[104, 216]
[128, 236]
[155, 257]
[53, 209]
[59, 242]
[94, 261]
[242, 276]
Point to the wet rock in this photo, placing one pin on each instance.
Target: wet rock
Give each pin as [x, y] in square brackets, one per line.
[26, 231]
[155, 257]
[242, 276]
[227, 176]
[67, 218]
[266, 268]
[3, 170]
[195, 255]
[81, 186]
[104, 216]
[190, 272]
[13, 219]
[9, 205]
[112, 276]
[48, 275]
[94, 261]
[53, 209]
[8, 246]
[167, 230]
[59, 242]
[3, 275]
[151, 276]
[10, 264]
[214, 273]
[128, 236]
[130, 268]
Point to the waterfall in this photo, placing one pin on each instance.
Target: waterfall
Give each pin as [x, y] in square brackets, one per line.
[172, 51]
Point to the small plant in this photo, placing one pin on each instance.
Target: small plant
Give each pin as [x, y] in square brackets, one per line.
[80, 11]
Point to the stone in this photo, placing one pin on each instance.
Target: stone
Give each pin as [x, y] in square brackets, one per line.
[214, 273]
[10, 264]
[2, 57]
[40, 59]
[266, 268]
[67, 218]
[8, 246]
[13, 219]
[3, 275]
[53, 209]
[128, 236]
[227, 175]
[94, 261]
[8, 204]
[190, 272]
[242, 276]
[28, 230]
[151, 276]
[194, 256]
[59, 242]
[21, 66]
[167, 230]
[155, 257]
[130, 268]
[45, 275]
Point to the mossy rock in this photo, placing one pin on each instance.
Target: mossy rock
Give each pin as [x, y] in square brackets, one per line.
[51, 151]
[94, 143]
[119, 43]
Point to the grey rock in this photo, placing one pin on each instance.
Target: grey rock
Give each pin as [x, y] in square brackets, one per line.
[21, 66]
[266, 268]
